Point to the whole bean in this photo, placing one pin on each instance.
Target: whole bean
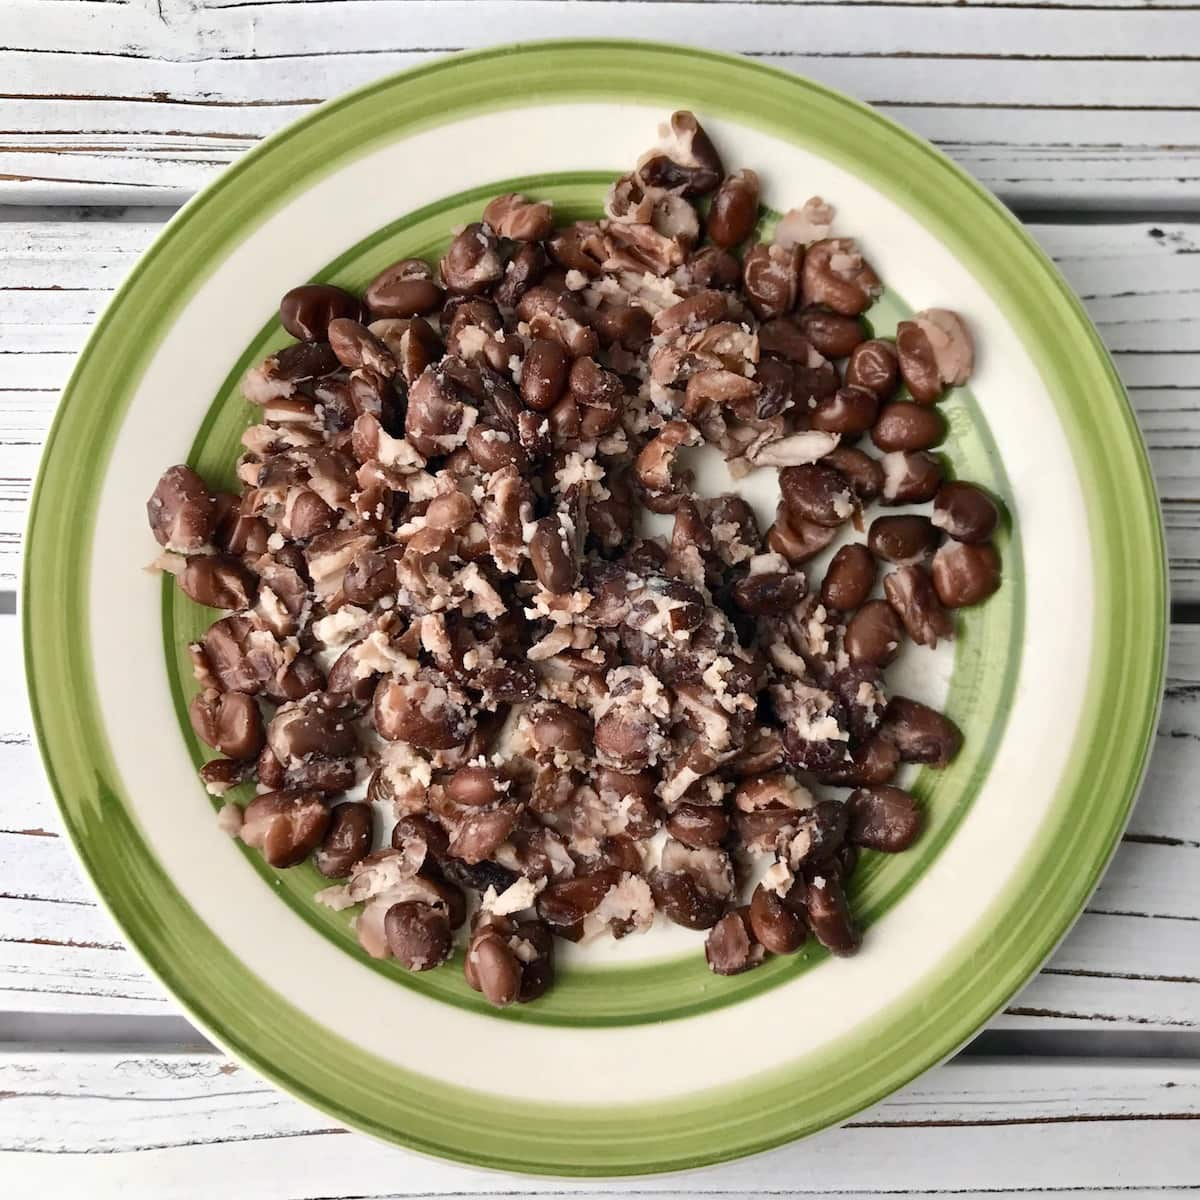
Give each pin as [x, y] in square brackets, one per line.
[778, 923]
[683, 902]
[287, 826]
[965, 573]
[818, 493]
[405, 289]
[515, 216]
[493, 969]
[782, 336]
[850, 411]
[903, 540]
[544, 374]
[420, 713]
[523, 271]
[874, 763]
[769, 592]
[883, 818]
[874, 634]
[829, 914]
[220, 774]
[833, 334]
[734, 211]
[538, 973]
[418, 935]
[475, 786]
[918, 365]
[357, 347]
[552, 556]
[967, 513]
[731, 947]
[873, 366]
[910, 477]
[920, 733]
[347, 840]
[771, 279]
[417, 826]
[568, 901]
[837, 276]
[305, 312]
[849, 579]
[472, 262]
[712, 267]
[796, 539]
[909, 591]
[228, 721]
[864, 472]
[481, 832]
[182, 511]
[554, 727]
[905, 426]
[218, 581]
[698, 825]
[302, 361]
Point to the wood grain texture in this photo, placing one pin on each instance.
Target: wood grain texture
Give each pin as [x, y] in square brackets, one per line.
[145, 1124]
[1048, 104]
[1132, 962]
[1140, 282]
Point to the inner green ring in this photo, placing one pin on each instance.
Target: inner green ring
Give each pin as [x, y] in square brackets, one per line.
[987, 661]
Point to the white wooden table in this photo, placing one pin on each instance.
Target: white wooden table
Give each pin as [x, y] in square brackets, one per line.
[1084, 117]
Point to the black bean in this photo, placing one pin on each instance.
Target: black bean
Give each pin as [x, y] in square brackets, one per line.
[818, 493]
[965, 573]
[918, 366]
[218, 581]
[967, 513]
[731, 946]
[734, 210]
[287, 826]
[874, 634]
[849, 578]
[903, 540]
[849, 411]
[544, 373]
[833, 334]
[493, 969]
[305, 312]
[779, 923]
[910, 477]
[902, 425]
[920, 733]
[228, 721]
[883, 818]
[418, 935]
[698, 825]
[829, 914]
[909, 591]
[347, 840]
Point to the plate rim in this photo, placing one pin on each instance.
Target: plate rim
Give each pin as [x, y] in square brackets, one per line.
[1136, 467]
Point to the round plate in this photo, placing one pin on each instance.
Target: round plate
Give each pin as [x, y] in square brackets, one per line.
[639, 1060]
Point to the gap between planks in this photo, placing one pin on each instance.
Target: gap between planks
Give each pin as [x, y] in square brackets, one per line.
[995, 1125]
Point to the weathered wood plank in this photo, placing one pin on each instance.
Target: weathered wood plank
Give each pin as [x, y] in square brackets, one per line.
[974, 1124]
[1138, 281]
[1133, 961]
[143, 103]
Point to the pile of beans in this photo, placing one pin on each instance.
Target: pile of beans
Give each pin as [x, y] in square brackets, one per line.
[464, 681]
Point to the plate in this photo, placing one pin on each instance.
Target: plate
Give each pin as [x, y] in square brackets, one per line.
[639, 1060]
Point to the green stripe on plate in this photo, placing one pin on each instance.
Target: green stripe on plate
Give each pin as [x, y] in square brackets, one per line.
[939, 1011]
